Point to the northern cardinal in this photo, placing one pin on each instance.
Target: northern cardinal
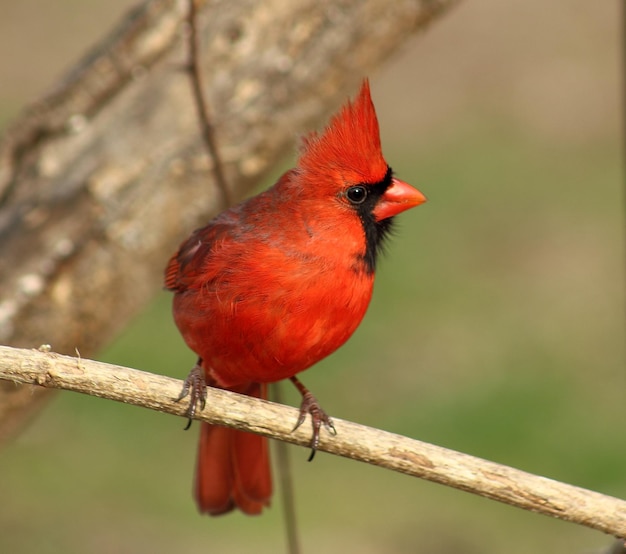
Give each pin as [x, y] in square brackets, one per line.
[273, 285]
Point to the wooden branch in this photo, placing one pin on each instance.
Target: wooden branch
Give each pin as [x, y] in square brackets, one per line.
[387, 450]
[102, 178]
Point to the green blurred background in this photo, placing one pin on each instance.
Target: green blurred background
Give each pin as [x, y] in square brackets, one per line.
[497, 326]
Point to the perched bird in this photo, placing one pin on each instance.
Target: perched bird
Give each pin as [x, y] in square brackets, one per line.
[274, 284]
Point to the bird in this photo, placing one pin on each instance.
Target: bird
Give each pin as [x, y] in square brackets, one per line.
[278, 282]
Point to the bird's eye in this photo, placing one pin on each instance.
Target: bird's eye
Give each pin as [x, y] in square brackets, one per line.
[357, 194]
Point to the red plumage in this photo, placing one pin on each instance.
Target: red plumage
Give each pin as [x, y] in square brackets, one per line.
[276, 283]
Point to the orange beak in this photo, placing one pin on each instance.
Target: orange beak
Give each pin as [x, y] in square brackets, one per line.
[398, 197]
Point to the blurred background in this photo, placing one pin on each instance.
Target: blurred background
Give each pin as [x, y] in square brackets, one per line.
[497, 326]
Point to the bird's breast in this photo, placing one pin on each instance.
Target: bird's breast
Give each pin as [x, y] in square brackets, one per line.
[272, 312]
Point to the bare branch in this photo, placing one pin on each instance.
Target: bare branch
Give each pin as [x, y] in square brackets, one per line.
[208, 130]
[387, 450]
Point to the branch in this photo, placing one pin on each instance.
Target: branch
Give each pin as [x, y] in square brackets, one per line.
[380, 448]
[208, 130]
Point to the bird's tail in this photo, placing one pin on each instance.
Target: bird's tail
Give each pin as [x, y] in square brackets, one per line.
[233, 467]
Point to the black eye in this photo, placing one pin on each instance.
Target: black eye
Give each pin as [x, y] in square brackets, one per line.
[357, 194]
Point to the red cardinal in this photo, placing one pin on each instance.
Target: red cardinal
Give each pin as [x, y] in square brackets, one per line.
[273, 285]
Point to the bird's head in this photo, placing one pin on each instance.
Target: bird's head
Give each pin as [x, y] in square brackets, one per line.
[345, 162]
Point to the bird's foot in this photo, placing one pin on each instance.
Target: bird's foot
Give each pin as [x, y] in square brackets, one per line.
[194, 386]
[319, 417]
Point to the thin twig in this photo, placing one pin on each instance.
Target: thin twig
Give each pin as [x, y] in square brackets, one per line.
[208, 131]
[283, 463]
[380, 448]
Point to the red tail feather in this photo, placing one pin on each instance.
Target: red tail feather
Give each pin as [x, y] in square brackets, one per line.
[233, 468]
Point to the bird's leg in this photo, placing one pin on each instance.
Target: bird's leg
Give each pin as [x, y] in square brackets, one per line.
[310, 405]
[194, 387]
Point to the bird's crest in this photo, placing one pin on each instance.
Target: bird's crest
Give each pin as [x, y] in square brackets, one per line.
[349, 147]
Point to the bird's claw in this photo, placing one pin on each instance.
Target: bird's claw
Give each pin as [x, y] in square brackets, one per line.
[194, 386]
[319, 417]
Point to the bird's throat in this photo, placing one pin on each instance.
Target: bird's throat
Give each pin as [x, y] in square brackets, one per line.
[375, 234]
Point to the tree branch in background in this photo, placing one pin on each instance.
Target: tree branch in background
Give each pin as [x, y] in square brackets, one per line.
[208, 131]
[380, 448]
[102, 178]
